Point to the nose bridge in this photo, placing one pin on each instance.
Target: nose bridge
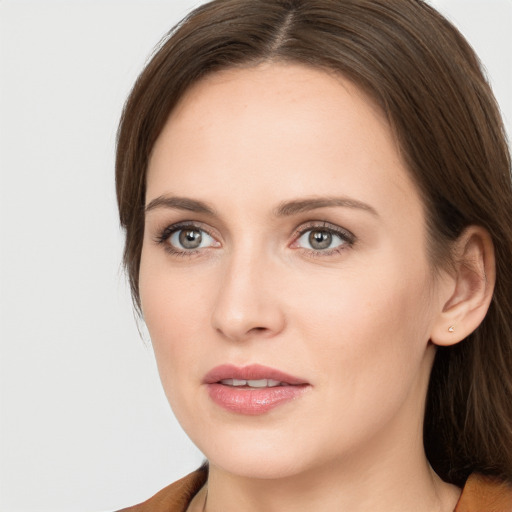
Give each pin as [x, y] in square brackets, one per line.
[246, 303]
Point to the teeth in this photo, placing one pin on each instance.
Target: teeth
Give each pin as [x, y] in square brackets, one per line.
[260, 383]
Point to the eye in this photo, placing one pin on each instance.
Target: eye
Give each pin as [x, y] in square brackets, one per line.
[185, 239]
[324, 239]
[319, 240]
[189, 239]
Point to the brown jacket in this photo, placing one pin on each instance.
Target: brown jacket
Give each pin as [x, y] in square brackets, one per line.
[480, 494]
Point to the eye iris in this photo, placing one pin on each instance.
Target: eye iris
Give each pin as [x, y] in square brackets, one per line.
[320, 239]
[190, 238]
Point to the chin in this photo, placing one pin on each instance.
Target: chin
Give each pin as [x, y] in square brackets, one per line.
[266, 465]
[260, 453]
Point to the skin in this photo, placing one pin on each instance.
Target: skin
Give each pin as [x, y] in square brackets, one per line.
[355, 323]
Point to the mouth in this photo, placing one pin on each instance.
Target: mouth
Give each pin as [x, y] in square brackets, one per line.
[255, 384]
[252, 390]
[254, 375]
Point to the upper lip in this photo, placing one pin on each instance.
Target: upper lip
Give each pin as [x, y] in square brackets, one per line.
[250, 372]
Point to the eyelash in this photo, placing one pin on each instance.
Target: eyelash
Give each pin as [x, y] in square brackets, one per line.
[168, 231]
[346, 236]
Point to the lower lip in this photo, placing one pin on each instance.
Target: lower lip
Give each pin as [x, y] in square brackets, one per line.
[253, 401]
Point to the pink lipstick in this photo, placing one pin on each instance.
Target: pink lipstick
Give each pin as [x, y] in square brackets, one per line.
[253, 389]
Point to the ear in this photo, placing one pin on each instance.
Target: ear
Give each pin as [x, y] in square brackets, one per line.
[466, 291]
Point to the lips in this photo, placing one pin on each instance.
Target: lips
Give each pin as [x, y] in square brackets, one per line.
[253, 389]
[251, 372]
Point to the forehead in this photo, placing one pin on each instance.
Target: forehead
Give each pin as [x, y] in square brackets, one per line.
[271, 81]
[277, 130]
[286, 95]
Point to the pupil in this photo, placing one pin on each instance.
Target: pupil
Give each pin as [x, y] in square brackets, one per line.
[190, 239]
[320, 239]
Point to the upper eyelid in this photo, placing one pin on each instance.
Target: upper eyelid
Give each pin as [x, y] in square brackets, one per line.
[327, 226]
[171, 228]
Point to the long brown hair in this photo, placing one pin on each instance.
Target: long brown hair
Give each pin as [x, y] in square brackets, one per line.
[429, 82]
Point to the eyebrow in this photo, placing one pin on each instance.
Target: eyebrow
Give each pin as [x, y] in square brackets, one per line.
[288, 208]
[180, 203]
[285, 209]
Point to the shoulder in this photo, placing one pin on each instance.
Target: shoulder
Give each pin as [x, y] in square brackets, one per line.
[175, 497]
[484, 493]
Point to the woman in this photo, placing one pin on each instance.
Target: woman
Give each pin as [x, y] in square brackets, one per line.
[317, 201]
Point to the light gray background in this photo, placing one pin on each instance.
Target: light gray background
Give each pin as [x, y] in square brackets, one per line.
[84, 423]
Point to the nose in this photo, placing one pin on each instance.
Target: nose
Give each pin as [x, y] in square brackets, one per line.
[247, 304]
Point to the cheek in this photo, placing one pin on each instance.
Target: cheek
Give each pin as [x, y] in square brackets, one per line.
[367, 355]
[367, 329]
[175, 306]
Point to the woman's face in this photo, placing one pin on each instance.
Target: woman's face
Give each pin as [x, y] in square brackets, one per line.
[284, 240]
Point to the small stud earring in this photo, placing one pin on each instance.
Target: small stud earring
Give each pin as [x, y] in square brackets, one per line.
[451, 328]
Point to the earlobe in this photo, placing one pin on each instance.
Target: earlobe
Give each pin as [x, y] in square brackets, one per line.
[468, 288]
